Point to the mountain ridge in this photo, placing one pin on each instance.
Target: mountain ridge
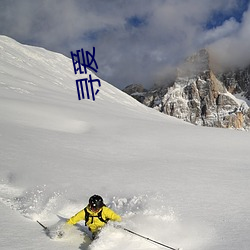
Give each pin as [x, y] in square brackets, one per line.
[201, 95]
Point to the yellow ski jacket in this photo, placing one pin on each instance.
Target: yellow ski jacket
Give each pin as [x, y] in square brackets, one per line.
[94, 223]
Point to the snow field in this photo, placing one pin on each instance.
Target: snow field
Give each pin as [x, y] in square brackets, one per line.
[181, 185]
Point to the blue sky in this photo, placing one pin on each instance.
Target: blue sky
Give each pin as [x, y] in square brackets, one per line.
[136, 41]
[218, 17]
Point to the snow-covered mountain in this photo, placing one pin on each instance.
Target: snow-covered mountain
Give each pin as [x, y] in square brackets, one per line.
[182, 185]
[201, 96]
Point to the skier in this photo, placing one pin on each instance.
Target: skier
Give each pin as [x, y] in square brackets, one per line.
[95, 214]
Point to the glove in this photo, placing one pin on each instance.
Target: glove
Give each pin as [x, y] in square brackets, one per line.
[62, 229]
[60, 234]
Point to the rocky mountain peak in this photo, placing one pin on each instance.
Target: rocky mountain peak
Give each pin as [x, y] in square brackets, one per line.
[202, 97]
[134, 88]
[194, 65]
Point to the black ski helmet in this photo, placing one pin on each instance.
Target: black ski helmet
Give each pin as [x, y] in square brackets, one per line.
[96, 202]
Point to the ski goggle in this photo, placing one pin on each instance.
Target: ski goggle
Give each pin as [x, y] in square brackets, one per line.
[94, 208]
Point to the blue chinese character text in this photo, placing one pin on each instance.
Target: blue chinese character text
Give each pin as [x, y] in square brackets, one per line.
[87, 60]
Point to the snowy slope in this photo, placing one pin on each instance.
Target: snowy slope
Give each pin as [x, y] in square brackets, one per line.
[179, 184]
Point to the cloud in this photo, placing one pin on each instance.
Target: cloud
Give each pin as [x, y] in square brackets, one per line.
[228, 28]
[233, 49]
[136, 41]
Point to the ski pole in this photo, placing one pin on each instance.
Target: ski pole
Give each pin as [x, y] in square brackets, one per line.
[146, 238]
[45, 228]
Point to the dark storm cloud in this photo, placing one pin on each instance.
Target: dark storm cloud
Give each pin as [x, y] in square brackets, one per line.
[137, 41]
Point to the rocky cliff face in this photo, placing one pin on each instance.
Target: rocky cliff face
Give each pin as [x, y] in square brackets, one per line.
[237, 81]
[201, 97]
